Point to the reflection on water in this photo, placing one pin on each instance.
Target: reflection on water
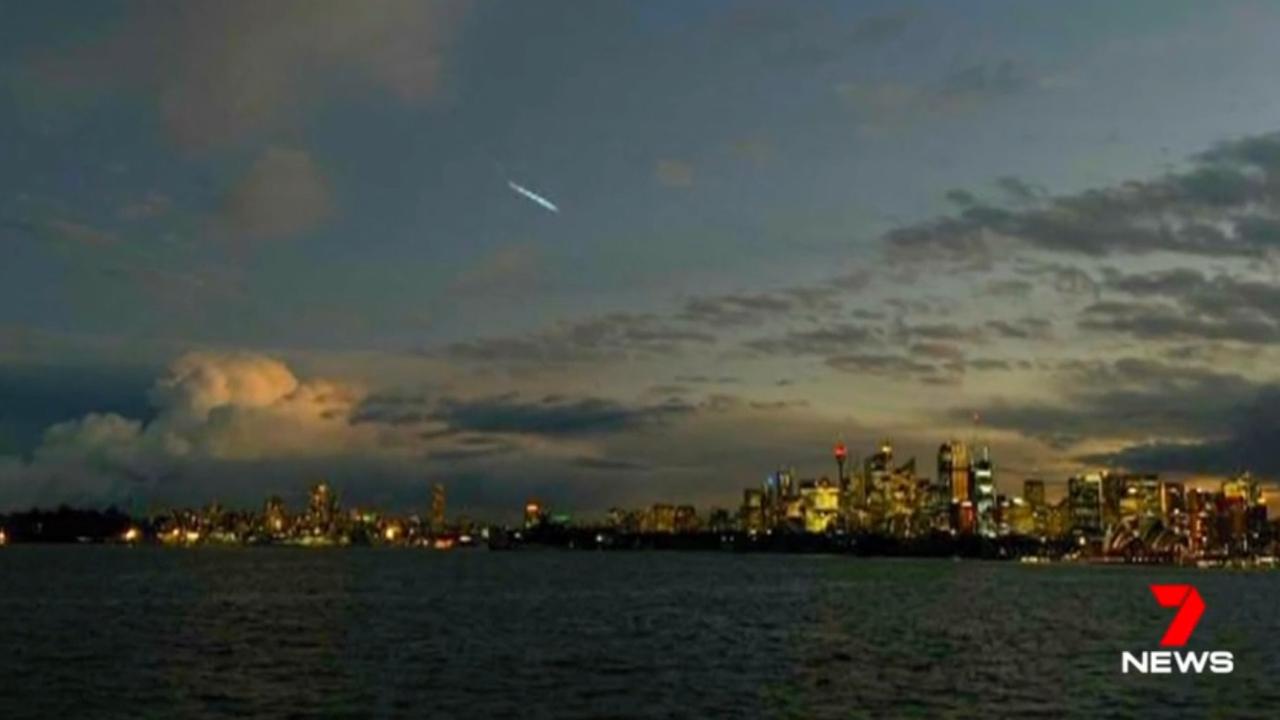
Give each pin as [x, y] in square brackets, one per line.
[140, 632]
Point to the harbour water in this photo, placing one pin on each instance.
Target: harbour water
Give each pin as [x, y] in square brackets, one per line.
[147, 632]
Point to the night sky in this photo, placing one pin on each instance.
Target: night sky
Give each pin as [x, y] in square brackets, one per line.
[250, 245]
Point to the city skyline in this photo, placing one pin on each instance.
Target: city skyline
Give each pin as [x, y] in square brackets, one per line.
[758, 231]
[883, 505]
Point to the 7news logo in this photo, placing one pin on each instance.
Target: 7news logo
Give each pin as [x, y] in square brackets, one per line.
[1163, 662]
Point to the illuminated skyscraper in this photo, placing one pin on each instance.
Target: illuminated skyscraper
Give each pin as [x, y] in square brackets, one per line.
[984, 493]
[953, 487]
[686, 519]
[752, 514]
[1037, 508]
[535, 515]
[323, 507]
[821, 505]
[1140, 500]
[273, 515]
[1084, 502]
[955, 471]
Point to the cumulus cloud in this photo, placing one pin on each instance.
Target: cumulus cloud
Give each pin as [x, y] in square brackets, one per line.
[283, 193]
[207, 408]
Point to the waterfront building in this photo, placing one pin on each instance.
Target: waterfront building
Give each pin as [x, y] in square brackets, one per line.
[984, 493]
[1084, 500]
[322, 508]
[1140, 500]
[275, 519]
[820, 506]
[662, 519]
[686, 519]
[535, 515]
[752, 515]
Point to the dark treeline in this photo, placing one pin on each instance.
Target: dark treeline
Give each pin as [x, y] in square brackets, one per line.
[75, 525]
[65, 525]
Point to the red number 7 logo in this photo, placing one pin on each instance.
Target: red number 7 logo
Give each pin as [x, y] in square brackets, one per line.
[1190, 608]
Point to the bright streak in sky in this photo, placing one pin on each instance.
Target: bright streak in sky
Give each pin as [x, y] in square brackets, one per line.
[533, 196]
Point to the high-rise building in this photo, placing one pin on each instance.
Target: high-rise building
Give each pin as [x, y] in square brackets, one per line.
[953, 488]
[1140, 500]
[686, 519]
[820, 505]
[1112, 490]
[752, 515]
[1037, 507]
[323, 507]
[535, 515]
[273, 515]
[1084, 502]
[955, 471]
[984, 493]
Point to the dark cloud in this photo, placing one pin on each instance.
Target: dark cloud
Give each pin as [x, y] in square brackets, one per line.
[778, 404]
[551, 415]
[669, 390]
[1127, 398]
[1018, 190]
[990, 364]
[1027, 328]
[613, 336]
[707, 379]
[900, 367]
[838, 338]
[937, 350]
[1011, 288]
[750, 309]
[482, 420]
[934, 331]
[1252, 434]
[1224, 206]
[610, 465]
[1066, 279]
[1185, 303]
[1162, 321]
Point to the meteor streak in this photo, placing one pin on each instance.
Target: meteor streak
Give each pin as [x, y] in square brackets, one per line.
[545, 203]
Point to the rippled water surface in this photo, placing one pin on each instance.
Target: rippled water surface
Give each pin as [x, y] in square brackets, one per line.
[140, 632]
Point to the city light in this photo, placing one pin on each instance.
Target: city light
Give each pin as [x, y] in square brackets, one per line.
[881, 504]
